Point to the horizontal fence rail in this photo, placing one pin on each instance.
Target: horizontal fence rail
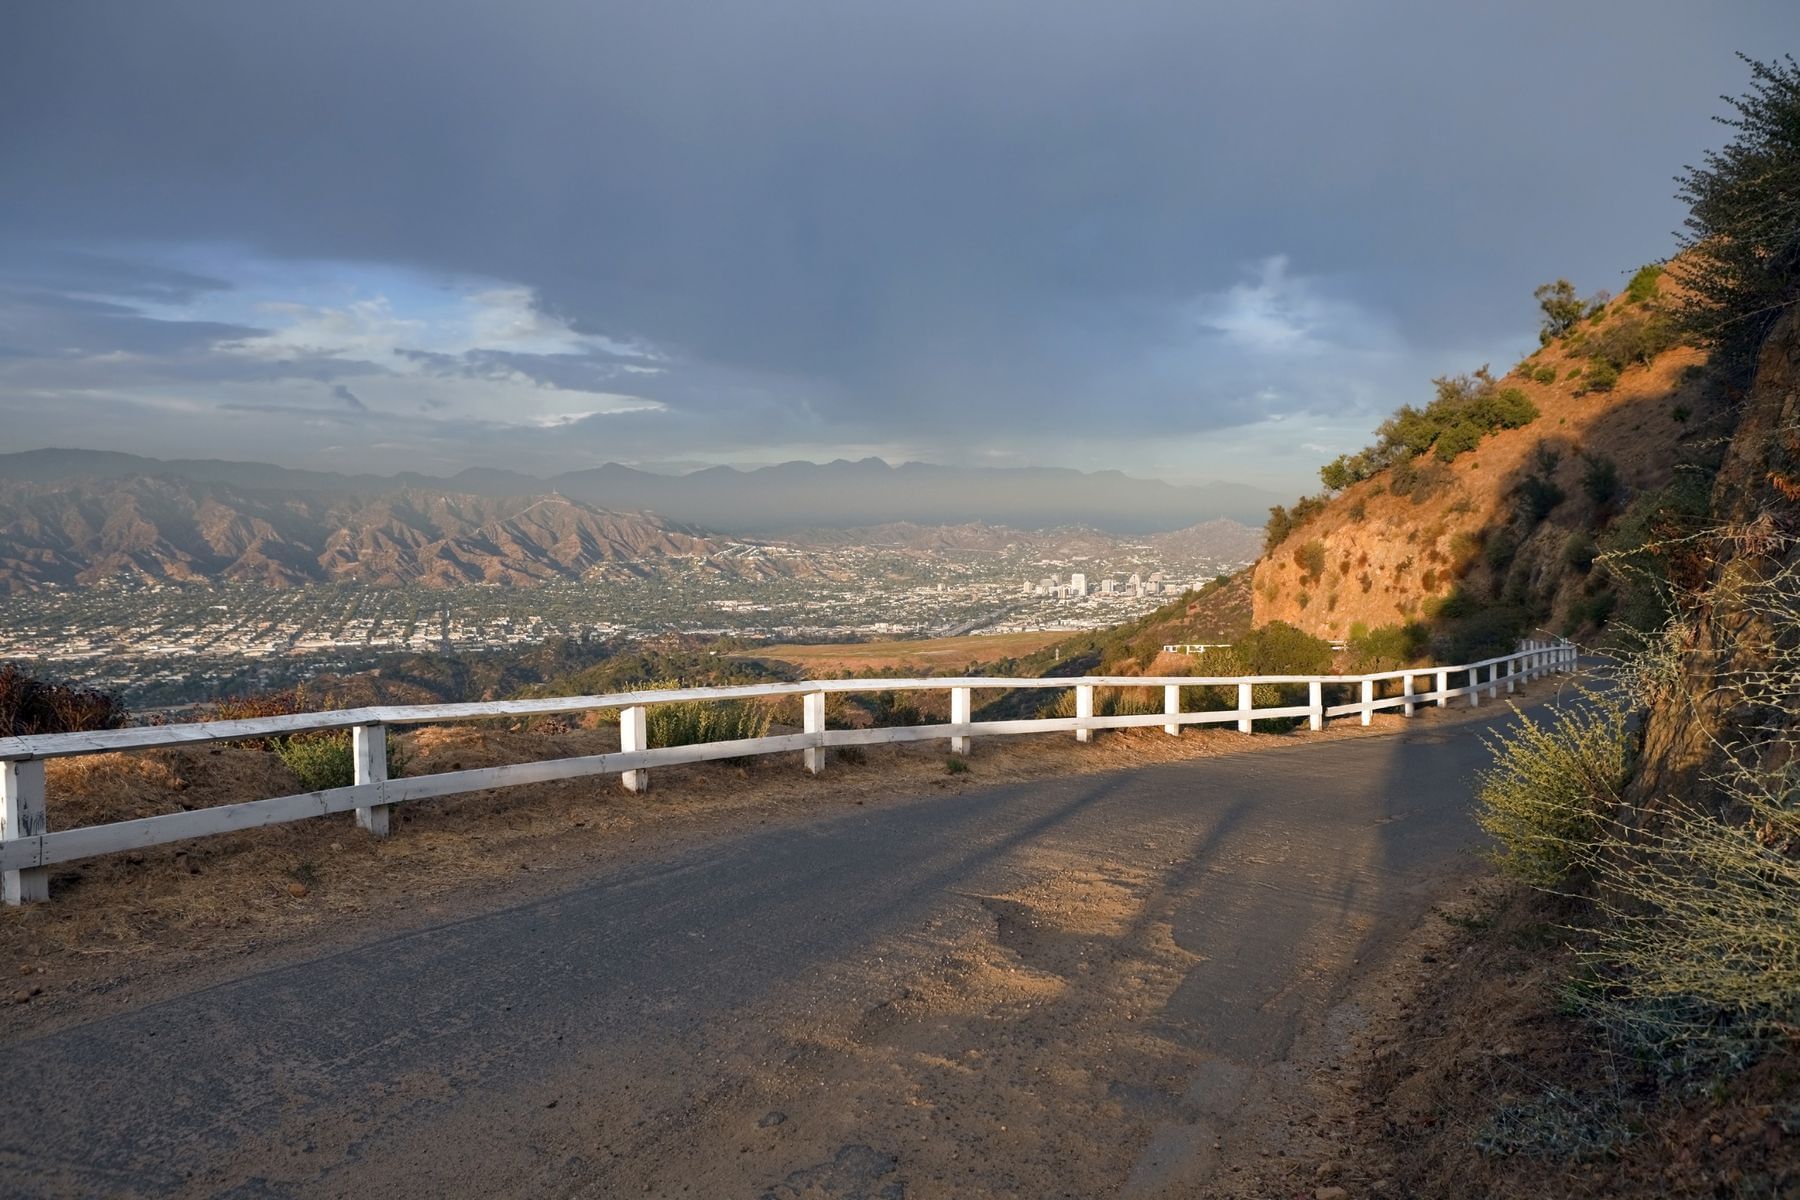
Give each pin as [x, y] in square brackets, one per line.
[28, 847]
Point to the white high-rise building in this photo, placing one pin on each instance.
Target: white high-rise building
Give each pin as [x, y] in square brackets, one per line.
[1108, 587]
[1078, 584]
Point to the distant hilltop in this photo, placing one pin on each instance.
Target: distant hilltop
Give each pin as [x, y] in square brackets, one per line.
[763, 501]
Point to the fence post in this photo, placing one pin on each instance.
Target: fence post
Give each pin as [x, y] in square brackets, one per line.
[1244, 706]
[1172, 708]
[1084, 708]
[959, 715]
[1368, 701]
[1411, 704]
[634, 734]
[1443, 688]
[22, 816]
[812, 720]
[1512, 676]
[368, 748]
[1315, 699]
[1474, 687]
[1493, 680]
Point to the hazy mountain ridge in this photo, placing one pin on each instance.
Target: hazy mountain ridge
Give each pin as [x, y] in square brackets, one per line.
[178, 530]
[839, 494]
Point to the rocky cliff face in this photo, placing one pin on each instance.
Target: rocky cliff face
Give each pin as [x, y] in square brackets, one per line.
[1728, 688]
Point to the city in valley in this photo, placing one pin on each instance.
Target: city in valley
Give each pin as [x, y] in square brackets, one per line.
[162, 644]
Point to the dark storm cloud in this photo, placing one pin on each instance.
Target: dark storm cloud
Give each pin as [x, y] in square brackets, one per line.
[1013, 224]
[350, 398]
[55, 324]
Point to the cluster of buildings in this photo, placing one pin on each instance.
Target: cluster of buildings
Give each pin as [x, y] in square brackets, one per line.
[1136, 587]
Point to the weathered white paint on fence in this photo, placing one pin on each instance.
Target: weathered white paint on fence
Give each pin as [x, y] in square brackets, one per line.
[28, 847]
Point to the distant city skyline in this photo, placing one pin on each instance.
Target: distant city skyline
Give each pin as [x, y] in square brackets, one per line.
[1193, 242]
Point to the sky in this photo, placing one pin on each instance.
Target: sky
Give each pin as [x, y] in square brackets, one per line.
[1193, 241]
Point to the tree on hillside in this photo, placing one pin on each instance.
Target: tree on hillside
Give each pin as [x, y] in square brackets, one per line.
[1562, 308]
[1740, 261]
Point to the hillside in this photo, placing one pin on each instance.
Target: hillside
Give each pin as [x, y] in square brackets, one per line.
[166, 529]
[1502, 538]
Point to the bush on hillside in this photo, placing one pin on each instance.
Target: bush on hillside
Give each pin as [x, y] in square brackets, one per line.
[32, 706]
[1386, 647]
[1600, 479]
[1642, 287]
[692, 722]
[328, 760]
[1601, 376]
[1552, 788]
[1310, 558]
[1633, 340]
[1535, 497]
[1284, 521]
[1466, 409]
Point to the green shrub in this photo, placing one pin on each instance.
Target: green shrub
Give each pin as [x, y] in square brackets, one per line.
[328, 760]
[1601, 376]
[1284, 521]
[1545, 374]
[1536, 497]
[1507, 408]
[1552, 787]
[1600, 479]
[955, 764]
[1643, 284]
[1632, 340]
[1459, 438]
[691, 722]
[1386, 647]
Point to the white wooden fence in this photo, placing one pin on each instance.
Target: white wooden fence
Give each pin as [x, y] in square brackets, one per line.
[28, 846]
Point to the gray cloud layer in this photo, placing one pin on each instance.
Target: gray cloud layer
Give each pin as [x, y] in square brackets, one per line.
[1059, 230]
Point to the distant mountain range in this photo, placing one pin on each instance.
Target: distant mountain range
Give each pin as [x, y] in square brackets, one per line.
[161, 528]
[763, 501]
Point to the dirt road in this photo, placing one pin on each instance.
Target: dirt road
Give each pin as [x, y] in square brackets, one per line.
[1086, 987]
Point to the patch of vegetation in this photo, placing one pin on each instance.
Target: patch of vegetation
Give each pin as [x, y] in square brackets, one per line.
[1741, 245]
[1601, 376]
[1642, 288]
[1552, 787]
[328, 760]
[32, 706]
[1465, 409]
[693, 722]
[1310, 558]
[1284, 521]
[1600, 479]
[1386, 647]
